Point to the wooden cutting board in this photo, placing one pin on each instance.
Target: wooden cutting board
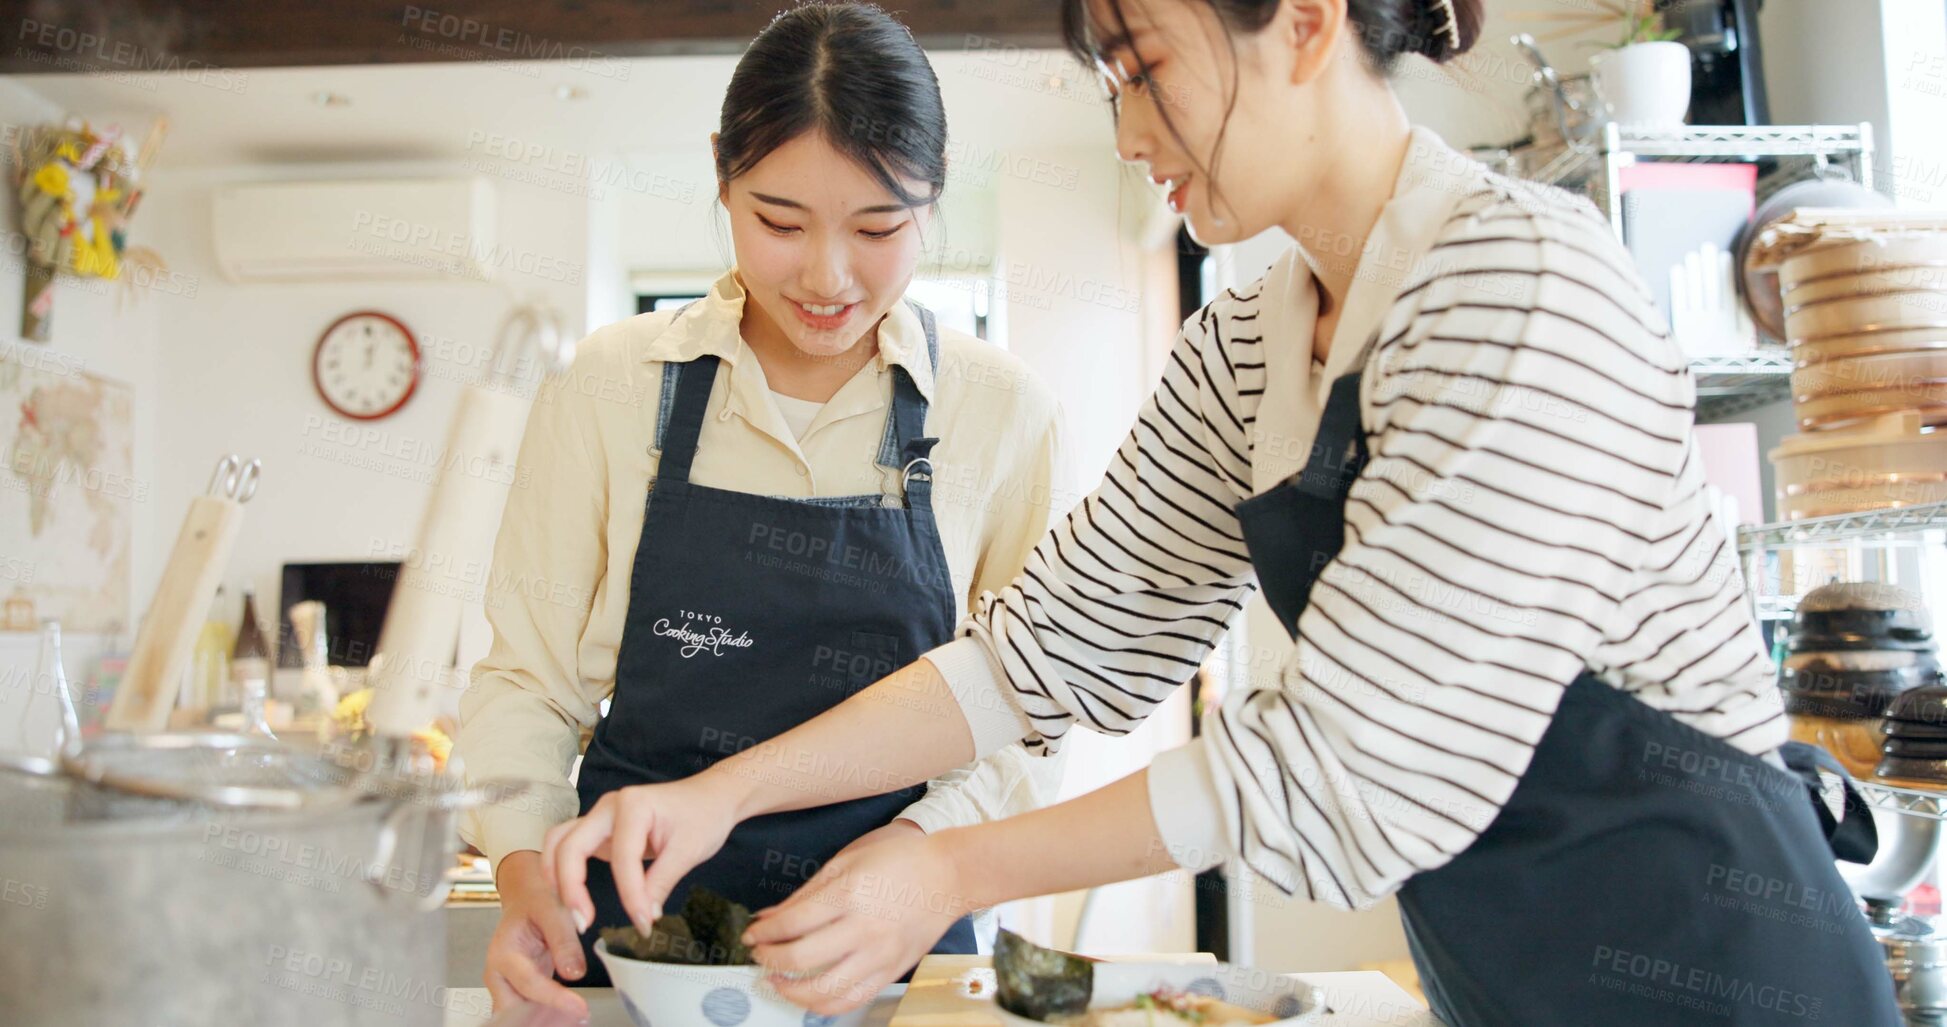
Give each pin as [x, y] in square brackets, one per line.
[935, 998]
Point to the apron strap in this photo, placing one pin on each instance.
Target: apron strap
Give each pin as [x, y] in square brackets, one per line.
[685, 425]
[1296, 527]
[666, 399]
[1339, 450]
[905, 447]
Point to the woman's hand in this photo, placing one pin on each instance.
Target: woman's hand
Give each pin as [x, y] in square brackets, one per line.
[861, 923]
[678, 825]
[535, 938]
[875, 909]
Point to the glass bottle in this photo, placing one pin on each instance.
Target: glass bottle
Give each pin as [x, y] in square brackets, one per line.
[209, 669]
[250, 669]
[48, 723]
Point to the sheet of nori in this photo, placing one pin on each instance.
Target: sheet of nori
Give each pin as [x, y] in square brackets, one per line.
[718, 924]
[708, 932]
[1039, 983]
[669, 941]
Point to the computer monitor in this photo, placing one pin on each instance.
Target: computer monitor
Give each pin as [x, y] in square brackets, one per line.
[355, 595]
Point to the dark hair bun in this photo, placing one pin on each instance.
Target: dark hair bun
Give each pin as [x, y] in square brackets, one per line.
[1439, 30]
[1445, 29]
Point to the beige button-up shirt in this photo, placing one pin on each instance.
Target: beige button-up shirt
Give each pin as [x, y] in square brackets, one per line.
[559, 591]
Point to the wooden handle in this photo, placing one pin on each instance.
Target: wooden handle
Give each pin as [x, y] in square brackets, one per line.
[182, 603]
[447, 568]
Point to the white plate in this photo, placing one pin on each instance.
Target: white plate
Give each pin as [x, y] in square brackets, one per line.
[1260, 991]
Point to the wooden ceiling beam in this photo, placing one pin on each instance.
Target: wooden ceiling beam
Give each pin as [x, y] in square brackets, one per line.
[133, 36]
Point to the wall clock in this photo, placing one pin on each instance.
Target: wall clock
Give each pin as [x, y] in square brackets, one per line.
[366, 365]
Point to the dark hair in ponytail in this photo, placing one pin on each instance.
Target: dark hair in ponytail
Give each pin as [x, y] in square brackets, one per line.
[850, 71]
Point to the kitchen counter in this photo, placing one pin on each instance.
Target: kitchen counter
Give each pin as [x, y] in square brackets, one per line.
[1363, 998]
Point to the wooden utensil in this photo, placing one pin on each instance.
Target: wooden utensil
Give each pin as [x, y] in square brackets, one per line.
[412, 673]
[182, 601]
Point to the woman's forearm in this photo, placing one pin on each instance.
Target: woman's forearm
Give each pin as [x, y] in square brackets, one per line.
[907, 729]
[903, 730]
[1105, 836]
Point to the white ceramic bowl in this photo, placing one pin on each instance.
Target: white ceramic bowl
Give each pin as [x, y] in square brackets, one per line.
[672, 995]
[1295, 1001]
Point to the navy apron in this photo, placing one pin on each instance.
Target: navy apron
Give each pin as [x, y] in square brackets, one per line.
[749, 615]
[1642, 872]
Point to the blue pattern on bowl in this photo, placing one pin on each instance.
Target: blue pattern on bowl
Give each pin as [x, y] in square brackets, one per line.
[726, 1007]
[1207, 986]
[819, 1020]
[1288, 1006]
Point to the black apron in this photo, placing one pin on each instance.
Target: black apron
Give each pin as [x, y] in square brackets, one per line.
[1642, 872]
[749, 615]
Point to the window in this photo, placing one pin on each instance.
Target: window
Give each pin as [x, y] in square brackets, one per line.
[961, 304]
[649, 302]
[958, 303]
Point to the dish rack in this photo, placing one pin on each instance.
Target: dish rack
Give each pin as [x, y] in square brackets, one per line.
[1880, 545]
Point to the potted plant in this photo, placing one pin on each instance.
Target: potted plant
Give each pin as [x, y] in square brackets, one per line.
[1643, 79]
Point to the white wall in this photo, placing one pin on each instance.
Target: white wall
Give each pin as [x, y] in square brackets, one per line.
[95, 331]
[237, 378]
[1883, 61]
[1824, 62]
[1914, 166]
[1070, 283]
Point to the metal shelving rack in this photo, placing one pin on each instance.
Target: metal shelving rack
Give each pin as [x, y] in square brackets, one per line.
[1904, 526]
[1874, 525]
[1876, 529]
[1821, 145]
[1913, 802]
[1727, 385]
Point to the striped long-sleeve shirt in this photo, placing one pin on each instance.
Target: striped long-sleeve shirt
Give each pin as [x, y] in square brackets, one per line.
[1534, 504]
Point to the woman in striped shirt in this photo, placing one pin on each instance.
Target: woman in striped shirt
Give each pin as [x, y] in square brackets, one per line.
[1448, 440]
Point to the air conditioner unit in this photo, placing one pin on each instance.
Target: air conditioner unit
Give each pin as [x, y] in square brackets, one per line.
[311, 231]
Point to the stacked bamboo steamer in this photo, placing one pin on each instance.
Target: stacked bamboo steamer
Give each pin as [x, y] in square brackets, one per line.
[1865, 300]
[1865, 313]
